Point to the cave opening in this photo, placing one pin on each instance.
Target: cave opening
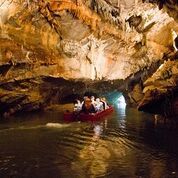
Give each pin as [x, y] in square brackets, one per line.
[115, 98]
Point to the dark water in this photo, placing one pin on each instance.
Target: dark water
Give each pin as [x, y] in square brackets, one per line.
[126, 144]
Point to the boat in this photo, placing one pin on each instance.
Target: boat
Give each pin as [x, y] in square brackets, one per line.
[73, 116]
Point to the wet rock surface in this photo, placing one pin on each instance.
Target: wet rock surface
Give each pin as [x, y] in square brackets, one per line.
[161, 92]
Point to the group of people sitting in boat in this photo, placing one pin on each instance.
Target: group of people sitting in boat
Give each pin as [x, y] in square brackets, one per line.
[90, 105]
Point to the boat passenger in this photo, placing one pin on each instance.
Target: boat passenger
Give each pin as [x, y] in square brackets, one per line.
[99, 105]
[77, 105]
[93, 100]
[84, 98]
[105, 105]
[88, 107]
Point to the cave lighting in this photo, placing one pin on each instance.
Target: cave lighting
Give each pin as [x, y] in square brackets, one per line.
[121, 101]
[117, 99]
[121, 111]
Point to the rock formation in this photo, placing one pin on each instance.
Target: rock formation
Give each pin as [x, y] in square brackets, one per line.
[170, 6]
[53, 50]
[161, 91]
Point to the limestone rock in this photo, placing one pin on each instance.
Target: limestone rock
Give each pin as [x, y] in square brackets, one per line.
[160, 92]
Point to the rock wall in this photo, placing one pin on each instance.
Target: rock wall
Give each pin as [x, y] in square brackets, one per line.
[171, 7]
[160, 90]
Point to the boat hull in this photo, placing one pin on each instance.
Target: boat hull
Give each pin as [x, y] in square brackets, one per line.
[73, 116]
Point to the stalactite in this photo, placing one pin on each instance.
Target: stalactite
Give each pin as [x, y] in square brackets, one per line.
[79, 10]
[45, 11]
[87, 15]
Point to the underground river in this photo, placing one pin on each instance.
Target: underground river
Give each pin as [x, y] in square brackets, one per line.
[127, 143]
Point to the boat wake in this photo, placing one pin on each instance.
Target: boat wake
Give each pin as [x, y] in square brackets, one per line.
[57, 125]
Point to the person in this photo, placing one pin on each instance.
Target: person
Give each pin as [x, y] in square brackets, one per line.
[88, 107]
[105, 105]
[93, 100]
[77, 105]
[99, 105]
[84, 98]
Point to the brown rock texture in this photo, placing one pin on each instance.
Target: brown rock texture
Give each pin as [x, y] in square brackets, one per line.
[170, 6]
[161, 91]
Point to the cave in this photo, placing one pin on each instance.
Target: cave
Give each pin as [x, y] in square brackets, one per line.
[55, 51]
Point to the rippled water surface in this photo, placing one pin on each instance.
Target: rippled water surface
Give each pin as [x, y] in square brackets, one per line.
[126, 144]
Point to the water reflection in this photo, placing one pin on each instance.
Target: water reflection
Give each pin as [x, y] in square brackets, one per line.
[95, 155]
[97, 130]
[125, 144]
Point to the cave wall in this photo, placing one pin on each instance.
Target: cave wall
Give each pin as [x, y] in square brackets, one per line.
[170, 6]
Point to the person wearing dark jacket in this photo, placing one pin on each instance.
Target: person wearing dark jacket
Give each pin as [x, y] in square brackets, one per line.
[88, 107]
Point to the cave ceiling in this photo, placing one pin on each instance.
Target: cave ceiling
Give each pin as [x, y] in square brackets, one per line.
[92, 39]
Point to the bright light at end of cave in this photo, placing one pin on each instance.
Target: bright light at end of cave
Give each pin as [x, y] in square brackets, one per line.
[121, 102]
[121, 108]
